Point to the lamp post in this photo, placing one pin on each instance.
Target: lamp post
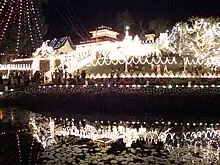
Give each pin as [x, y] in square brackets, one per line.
[126, 31]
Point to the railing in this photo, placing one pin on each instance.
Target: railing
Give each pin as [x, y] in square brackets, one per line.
[20, 67]
[154, 75]
[155, 90]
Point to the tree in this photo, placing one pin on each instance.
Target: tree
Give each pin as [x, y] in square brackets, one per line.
[198, 37]
[159, 25]
[21, 27]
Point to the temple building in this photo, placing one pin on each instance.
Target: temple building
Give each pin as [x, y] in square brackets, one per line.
[104, 42]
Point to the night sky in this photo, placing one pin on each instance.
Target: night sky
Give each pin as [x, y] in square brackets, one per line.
[93, 13]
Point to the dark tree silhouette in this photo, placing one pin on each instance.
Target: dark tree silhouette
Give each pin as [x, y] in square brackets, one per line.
[159, 25]
[123, 19]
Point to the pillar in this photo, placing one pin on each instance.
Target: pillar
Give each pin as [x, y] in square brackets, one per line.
[52, 67]
[189, 83]
[35, 65]
[69, 65]
[185, 65]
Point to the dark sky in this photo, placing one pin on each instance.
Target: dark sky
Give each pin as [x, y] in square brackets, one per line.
[93, 13]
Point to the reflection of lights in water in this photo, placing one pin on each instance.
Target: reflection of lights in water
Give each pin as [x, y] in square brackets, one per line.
[1, 114]
[206, 140]
[12, 116]
[182, 146]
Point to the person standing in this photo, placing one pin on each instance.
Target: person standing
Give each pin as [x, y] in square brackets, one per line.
[83, 76]
[77, 76]
[1, 78]
[16, 79]
[112, 75]
[118, 75]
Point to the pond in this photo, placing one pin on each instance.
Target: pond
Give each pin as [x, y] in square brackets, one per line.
[33, 137]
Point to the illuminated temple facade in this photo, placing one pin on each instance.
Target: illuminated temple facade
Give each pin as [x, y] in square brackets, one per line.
[104, 41]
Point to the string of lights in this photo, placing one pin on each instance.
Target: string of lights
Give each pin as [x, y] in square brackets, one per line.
[19, 148]
[2, 4]
[20, 22]
[19, 25]
[198, 37]
[9, 16]
[60, 43]
[36, 18]
[31, 151]
[28, 12]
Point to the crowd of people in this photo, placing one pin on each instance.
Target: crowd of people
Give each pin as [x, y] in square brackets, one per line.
[25, 79]
[79, 77]
[62, 77]
[20, 79]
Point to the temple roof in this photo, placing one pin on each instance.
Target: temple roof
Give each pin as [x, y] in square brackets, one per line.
[104, 31]
[59, 43]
